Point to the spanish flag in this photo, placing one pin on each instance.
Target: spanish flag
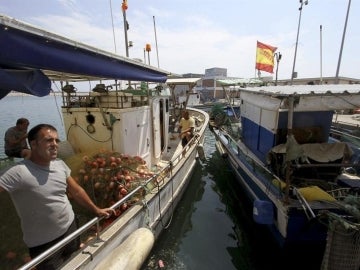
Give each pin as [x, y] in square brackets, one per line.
[265, 57]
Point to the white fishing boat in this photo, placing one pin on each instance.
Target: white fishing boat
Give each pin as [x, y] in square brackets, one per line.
[303, 188]
[183, 94]
[106, 122]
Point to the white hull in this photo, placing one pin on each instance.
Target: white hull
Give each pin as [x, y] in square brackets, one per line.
[139, 216]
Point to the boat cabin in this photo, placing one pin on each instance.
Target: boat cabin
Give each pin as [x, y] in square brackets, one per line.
[287, 123]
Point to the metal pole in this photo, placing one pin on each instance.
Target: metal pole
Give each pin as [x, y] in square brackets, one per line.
[126, 26]
[125, 32]
[278, 58]
[320, 54]
[112, 22]
[157, 52]
[297, 39]
[342, 44]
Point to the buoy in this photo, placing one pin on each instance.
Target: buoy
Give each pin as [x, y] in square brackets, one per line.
[263, 212]
[221, 150]
[161, 264]
[200, 150]
[131, 254]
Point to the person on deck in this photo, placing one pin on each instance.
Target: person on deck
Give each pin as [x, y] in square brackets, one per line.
[187, 127]
[38, 187]
[15, 140]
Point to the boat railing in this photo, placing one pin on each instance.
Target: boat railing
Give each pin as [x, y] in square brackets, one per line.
[345, 136]
[179, 156]
[157, 178]
[111, 99]
[165, 171]
[96, 221]
[258, 167]
[345, 124]
[304, 204]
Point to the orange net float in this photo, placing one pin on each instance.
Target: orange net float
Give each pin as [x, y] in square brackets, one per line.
[124, 5]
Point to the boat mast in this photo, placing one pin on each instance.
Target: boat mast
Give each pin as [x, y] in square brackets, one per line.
[321, 54]
[112, 22]
[156, 44]
[297, 39]
[124, 7]
[342, 45]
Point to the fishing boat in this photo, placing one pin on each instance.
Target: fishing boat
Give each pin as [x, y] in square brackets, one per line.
[182, 91]
[127, 131]
[302, 187]
[346, 123]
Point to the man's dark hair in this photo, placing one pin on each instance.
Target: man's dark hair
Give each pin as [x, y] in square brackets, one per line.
[32, 135]
[21, 121]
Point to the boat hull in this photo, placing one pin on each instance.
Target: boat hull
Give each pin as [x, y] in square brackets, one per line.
[290, 225]
[154, 212]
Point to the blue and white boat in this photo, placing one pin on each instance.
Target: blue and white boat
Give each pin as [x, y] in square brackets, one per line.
[298, 182]
[102, 119]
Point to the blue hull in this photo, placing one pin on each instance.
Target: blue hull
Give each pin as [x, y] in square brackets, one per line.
[300, 229]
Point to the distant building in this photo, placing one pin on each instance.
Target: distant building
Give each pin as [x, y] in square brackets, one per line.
[210, 90]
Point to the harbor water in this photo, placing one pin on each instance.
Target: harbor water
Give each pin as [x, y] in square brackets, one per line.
[210, 229]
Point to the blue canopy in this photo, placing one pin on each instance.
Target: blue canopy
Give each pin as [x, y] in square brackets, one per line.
[25, 47]
[32, 82]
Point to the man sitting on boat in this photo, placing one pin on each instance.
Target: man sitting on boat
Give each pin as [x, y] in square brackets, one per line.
[187, 127]
[15, 140]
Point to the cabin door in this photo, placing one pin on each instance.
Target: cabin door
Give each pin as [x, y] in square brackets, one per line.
[134, 135]
[157, 129]
[160, 121]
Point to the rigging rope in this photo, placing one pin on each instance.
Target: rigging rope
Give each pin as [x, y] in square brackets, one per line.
[112, 22]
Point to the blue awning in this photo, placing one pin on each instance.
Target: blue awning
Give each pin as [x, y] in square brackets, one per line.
[23, 46]
[32, 82]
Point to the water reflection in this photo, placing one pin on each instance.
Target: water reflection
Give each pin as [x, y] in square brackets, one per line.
[201, 236]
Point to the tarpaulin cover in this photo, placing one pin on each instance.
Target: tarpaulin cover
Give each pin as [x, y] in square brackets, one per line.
[32, 82]
[25, 47]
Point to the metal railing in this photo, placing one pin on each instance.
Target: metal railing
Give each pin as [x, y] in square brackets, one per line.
[165, 172]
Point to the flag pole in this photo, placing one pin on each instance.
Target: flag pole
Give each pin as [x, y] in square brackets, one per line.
[256, 57]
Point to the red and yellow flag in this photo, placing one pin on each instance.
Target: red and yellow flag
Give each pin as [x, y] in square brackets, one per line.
[265, 57]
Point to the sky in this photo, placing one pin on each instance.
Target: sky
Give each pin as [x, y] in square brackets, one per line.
[189, 36]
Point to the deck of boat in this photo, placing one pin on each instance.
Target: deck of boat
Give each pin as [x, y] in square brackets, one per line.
[174, 147]
[349, 120]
